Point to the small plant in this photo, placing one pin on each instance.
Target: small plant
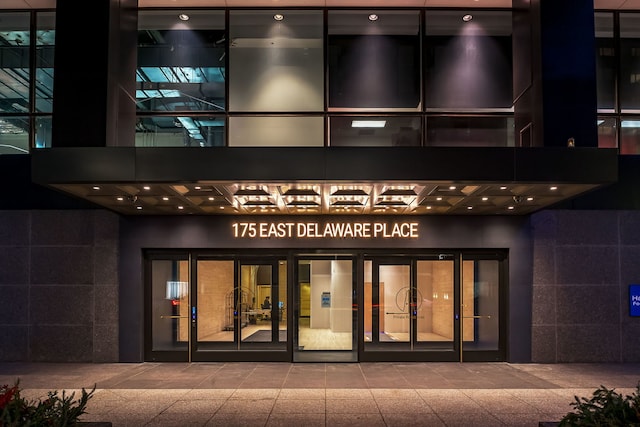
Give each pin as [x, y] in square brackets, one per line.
[54, 411]
[605, 408]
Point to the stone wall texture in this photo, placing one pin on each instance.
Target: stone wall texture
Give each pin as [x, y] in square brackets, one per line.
[584, 262]
[59, 286]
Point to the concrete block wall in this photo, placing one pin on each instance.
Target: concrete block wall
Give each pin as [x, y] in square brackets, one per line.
[59, 286]
[583, 264]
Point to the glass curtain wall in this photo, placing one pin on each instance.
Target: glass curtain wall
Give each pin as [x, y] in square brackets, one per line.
[630, 83]
[181, 79]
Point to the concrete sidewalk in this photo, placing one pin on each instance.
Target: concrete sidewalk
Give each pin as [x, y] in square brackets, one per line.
[324, 394]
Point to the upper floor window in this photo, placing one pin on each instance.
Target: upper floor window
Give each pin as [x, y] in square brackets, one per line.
[374, 60]
[181, 61]
[468, 64]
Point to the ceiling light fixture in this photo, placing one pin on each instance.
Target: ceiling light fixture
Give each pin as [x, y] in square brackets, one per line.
[373, 17]
[183, 17]
[467, 18]
[368, 123]
[278, 17]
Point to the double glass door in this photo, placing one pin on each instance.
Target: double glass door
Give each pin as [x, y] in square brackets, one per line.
[445, 307]
[205, 308]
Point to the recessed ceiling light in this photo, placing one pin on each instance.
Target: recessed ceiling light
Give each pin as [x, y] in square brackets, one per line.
[95, 187]
[278, 17]
[373, 17]
[438, 198]
[165, 198]
[529, 199]
[553, 188]
[467, 18]
[469, 207]
[510, 208]
[368, 123]
[504, 187]
[453, 187]
[484, 199]
[139, 208]
[146, 187]
[183, 17]
[180, 207]
[120, 199]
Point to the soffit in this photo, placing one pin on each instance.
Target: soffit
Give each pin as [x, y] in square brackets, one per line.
[46, 4]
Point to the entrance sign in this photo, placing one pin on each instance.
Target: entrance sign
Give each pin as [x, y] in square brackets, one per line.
[634, 300]
[329, 229]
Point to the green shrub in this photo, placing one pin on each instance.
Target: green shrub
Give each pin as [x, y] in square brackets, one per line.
[54, 411]
[605, 408]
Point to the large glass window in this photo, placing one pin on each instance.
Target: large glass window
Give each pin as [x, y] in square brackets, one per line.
[630, 135]
[276, 61]
[630, 62]
[470, 131]
[276, 131]
[45, 44]
[468, 62]
[181, 69]
[374, 60]
[375, 131]
[180, 131]
[605, 62]
[15, 40]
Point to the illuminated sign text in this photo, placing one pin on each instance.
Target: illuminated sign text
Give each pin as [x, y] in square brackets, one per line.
[354, 230]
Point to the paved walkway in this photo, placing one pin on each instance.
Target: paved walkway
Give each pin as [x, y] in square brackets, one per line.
[324, 394]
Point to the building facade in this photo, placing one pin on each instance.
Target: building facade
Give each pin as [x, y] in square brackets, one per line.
[330, 182]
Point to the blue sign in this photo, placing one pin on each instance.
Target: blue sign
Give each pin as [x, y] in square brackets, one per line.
[634, 300]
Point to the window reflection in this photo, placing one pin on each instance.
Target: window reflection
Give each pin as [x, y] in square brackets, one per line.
[630, 136]
[605, 62]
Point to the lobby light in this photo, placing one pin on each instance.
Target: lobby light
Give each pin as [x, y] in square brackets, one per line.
[368, 123]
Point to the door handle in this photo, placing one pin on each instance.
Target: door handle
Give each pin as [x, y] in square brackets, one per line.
[477, 317]
[173, 317]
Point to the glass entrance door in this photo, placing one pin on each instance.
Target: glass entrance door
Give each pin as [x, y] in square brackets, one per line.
[325, 317]
[167, 312]
[445, 307]
[409, 307]
[483, 296]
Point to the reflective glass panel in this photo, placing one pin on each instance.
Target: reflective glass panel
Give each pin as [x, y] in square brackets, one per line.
[216, 302]
[374, 60]
[43, 132]
[181, 64]
[434, 302]
[180, 131]
[630, 136]
[275, 131]
[395, 296]
[14, 135]
[468, 65]
[376, 131]
[170, 305]
[276, 64]
[461, 131]
[14, 62]
[630, 62]
[45, 46]
[605, 62]
[480, 305]
[607, 133]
